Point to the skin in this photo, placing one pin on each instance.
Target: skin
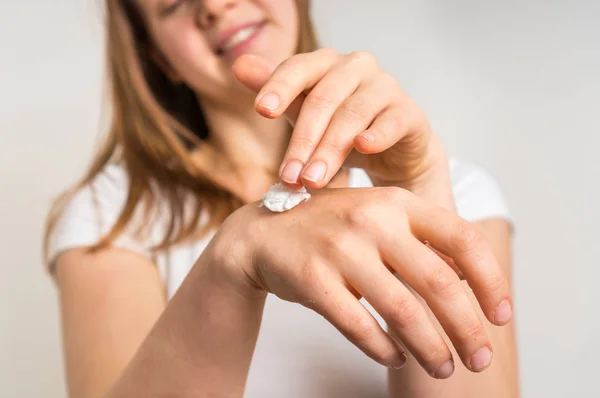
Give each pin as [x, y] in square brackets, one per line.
[368, 122]
[190, 351]
[500, 379]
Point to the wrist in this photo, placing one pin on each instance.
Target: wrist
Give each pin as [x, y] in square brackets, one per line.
[435, 185]
[228, 258]
[203, 341]
[433, 182]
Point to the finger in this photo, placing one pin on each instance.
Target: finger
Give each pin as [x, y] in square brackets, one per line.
[458, 239]
[342, 309]
[291, 78]
[385, 131]
[254, 71]
[448, 260]
[316, 114]
[403, 314]
[351, 113]
[443, 291]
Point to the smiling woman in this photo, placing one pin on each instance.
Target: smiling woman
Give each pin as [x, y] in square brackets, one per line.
[164, 259]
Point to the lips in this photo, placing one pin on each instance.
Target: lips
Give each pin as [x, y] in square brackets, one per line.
[236, 35]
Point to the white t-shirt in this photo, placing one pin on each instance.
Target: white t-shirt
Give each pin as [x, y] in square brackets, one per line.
[298, 353]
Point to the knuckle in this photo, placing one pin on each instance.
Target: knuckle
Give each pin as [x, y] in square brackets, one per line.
[392, 195]
[392, 127]
[360, 216]
[362, 57]
[318, 99]
[352, 112]
[344, 242]
[339, 244]
[327, 51]
[373, 211]
[434, 356]
[497, 282]
[282, 84]
[473, 332]
[287, 75]
[378, 132]
[331, 240]
[443, 282]
[361, 327]
[290, 65]
[302, 142]
[383, 356]
[406, 312]
[332, 148]
[466, 238]
[397, 123]
[307, 274]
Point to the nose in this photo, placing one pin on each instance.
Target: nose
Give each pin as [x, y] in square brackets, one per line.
[212, 10]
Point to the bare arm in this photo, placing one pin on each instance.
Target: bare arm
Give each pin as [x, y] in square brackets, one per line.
[109, 301]
[201, 344]
[501, 378]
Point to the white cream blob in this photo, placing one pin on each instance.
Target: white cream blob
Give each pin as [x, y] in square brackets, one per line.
[281, 198]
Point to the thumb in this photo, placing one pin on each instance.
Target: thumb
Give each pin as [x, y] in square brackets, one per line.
[254, 71]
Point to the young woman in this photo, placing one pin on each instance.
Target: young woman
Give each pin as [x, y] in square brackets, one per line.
[171, 298]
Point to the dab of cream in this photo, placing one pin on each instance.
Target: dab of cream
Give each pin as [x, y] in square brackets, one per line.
[281, 198]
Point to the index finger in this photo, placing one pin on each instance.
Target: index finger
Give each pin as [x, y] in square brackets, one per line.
[460, 240]
[254, 72]
[285, 91]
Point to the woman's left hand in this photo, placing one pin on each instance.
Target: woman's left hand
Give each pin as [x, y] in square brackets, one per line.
[346, 111]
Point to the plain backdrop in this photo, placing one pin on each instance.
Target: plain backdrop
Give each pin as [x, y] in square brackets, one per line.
[511, 85]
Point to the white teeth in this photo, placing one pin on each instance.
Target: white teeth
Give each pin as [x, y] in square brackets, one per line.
[239, 37]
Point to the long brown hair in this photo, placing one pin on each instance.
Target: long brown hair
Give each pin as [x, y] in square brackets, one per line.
[154, 123]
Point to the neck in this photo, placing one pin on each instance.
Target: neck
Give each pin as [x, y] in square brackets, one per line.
[247, 140]
[248, 148]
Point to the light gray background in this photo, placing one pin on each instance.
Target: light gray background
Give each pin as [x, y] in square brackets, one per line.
[511, 85]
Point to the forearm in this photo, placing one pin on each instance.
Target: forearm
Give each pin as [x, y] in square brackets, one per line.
[501, 379]
[201, 345]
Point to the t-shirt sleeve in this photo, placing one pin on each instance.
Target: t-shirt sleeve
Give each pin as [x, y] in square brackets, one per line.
[90, 214]
[476, 193]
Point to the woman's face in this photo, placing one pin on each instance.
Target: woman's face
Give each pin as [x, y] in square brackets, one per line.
[198, 40]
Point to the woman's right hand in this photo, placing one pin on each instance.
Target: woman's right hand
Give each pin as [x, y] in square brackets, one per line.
[344, 244]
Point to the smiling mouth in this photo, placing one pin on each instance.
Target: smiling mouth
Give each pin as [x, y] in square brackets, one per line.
[239, 37]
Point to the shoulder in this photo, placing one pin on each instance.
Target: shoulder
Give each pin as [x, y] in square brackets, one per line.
[90, 212]
[106, 192]
[99, 199]
[476, 193]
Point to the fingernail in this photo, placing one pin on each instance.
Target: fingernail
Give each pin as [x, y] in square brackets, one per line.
[367, 137]
[269, 101]
[445, 370]
[481, 359]
[315, 172]
[400, 361]
[503, 313]
[291, 171]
